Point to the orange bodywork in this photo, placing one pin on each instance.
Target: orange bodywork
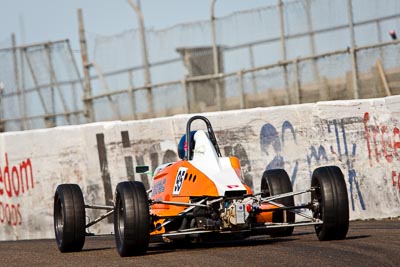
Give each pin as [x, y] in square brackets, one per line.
[194, 184]
[265, 216]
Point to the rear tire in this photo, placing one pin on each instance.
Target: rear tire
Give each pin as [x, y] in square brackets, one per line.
[330, 203]
[131, 219]
[275, 182]
[69, 218]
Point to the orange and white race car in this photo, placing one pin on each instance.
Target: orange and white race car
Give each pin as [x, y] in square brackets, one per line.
[203, 195]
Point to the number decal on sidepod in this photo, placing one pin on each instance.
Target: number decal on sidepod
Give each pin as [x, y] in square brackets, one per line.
[179, 180]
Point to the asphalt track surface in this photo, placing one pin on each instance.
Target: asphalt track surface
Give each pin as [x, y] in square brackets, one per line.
[368, 243]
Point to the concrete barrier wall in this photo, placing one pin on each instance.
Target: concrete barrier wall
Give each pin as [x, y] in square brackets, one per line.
[361, 137]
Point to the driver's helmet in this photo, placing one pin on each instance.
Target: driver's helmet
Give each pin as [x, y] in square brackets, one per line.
[182, 146]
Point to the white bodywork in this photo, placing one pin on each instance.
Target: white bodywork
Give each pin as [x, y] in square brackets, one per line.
[218, 169]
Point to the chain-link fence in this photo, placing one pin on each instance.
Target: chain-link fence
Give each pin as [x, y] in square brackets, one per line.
[41, 86]
[296, 51]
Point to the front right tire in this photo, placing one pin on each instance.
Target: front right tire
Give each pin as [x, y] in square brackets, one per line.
[69, 218]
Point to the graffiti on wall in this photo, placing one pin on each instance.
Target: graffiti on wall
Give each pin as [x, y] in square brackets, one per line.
[269, 137]
[346, 153]
[383, 145]
[273, 142]
[232, 143]
[15, 181]
[276, 141]
[239, 151]
[151, 150]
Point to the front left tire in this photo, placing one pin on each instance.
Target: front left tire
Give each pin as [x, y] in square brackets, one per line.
[131, 219]
[330, 202]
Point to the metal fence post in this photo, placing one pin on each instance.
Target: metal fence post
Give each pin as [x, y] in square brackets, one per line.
[149, 94]
[23, 87]
[252, 64]
[132, 97]
[312, 39]
[17, 83]
[49, 118]
[88, 110]
[2, 128]
[78, 75]
[185, 96]
[283, 47]
[296, 80]
[54, 83]
[241, 90]
[51, 85]
[215, 54]
[214, 39]
[353, 50]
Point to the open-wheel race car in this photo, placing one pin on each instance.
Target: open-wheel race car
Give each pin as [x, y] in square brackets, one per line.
[203, 195]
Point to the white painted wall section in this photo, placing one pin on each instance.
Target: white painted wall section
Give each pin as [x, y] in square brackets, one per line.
[362, 137]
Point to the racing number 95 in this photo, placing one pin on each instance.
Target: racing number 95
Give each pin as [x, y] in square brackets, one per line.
[179, 180]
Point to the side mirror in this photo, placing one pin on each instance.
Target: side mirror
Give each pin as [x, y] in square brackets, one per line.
[142, 169]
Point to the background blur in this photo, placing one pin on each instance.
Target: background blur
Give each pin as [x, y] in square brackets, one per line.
[276, 53]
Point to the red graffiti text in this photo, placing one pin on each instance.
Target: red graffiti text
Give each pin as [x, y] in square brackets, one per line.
[382, 142]
[396, 179]
[10, 214]
[15, 181]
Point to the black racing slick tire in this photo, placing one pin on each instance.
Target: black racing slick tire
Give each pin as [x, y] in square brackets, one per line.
[275, 182]
[69, 218]
[330, 203]
[131, 219]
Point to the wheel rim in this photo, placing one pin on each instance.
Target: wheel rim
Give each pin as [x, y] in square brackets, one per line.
[317, 204]
[59, 219]
[120, 218]
[265, 188]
